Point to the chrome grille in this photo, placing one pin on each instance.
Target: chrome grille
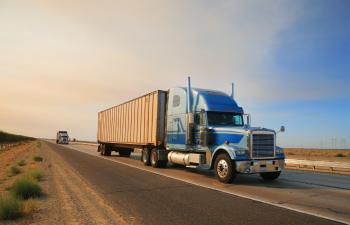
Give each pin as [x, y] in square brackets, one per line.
[263, 145]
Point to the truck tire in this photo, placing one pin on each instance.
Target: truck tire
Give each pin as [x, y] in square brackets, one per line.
[107, 150]
[270, 175]
[154, 160]
[224, 171]
[145, 157]
[102, 149]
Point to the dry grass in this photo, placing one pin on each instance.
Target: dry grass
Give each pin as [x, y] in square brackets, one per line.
[37, 158]
[10, 208]
[21, 162]
[317, 152]
[30, 206]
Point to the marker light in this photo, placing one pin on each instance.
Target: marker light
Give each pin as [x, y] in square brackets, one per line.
[228, 110]
[223, 109]
[227, 142]
[240, 152]
[279, 151]
[213, 109]
[233, 110]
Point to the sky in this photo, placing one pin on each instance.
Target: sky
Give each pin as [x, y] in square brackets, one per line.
[62, 62]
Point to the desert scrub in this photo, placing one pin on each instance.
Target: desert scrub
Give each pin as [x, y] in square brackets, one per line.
[13, 171]
[10, 208]
[340, 155]
[30, 206]
[35, 174]
[25, 188]
[37, 158]
[21, 162]
[38, 144]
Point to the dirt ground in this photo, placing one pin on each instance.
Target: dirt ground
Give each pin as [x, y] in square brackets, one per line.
[66, 198]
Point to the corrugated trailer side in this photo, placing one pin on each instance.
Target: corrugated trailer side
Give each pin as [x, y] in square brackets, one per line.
[136, 123]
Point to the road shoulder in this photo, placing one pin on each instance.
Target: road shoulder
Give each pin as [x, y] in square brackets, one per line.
[67, 197]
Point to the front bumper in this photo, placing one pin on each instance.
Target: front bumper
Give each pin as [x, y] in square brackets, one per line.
[260, 166]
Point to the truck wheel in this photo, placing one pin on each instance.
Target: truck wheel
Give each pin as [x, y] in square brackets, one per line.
[107, 150]
[223, 169]
[270, 175]
[145, 157]
[102, 149]
[154, 160]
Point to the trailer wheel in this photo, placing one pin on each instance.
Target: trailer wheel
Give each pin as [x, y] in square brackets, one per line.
[223, 169]
[145, 157]
[107, 150]
[270, 175]
[154, 160]
[102, 149]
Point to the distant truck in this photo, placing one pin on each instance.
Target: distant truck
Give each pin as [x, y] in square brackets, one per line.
[62, 137]
[191, 127]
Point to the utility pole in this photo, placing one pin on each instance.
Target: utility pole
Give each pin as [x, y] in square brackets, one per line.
[321, 144]
[335, 142]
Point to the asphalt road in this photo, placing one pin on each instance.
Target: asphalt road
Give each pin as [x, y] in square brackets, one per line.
[172, 195]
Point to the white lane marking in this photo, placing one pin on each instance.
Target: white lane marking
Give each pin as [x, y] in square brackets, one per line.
[238, 195]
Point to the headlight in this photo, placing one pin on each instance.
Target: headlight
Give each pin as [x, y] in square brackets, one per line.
[279, 151]
[240, 152]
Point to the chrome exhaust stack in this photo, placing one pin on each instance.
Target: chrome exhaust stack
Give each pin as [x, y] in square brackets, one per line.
[232, 90]
[189, 95]
[189, 117]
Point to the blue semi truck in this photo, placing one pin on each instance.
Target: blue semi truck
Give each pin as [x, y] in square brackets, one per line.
[191, 127]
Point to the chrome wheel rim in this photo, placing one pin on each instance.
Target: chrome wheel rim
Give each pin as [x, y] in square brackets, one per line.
[153, 158]
[222, 168]
[144, 156]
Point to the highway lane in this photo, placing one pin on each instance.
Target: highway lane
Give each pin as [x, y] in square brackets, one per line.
[311, 192]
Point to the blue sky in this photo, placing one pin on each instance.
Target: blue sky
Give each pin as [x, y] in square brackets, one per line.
[62, 62]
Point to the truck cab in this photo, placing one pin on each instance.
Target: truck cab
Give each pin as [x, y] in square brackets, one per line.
[62, 137]
[207, 127]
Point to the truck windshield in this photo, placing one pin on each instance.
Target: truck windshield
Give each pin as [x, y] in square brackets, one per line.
[222, 118]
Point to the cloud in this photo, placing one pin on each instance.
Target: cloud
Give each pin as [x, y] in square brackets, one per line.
[72, 56]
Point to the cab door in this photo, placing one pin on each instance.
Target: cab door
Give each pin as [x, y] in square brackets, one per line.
[200, 122]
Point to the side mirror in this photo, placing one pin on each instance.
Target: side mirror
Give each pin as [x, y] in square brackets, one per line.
[245, 127]
[282, 129]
